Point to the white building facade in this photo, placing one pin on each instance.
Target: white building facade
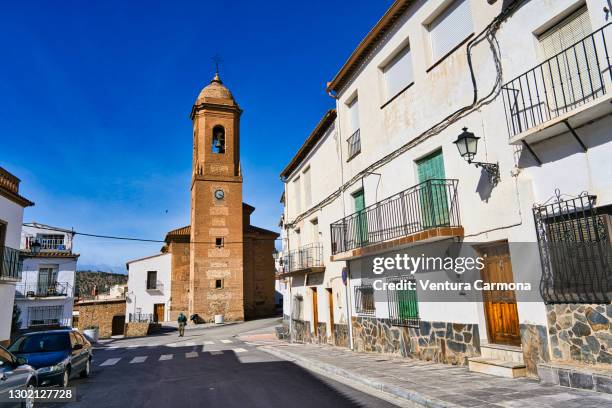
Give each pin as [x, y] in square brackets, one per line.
[532, 81]
[12, 205]
[45, 294]
[148, 293]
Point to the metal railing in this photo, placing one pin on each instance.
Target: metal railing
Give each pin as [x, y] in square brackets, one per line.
[306, 256]
[431, 204]
[403, 304]
[48, 243]
[141, 318]
[354, 145]
[47, 316]
[364, 300]
[560, 84]
[11, 264]
[43, 289]
[575, 251]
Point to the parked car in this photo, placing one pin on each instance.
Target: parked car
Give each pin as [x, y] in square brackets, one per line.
[57, 355]
[15, 373]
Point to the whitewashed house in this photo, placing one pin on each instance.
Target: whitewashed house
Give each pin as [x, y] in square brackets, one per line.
[531, 80]
[45, 294]
[11, 218]
[149, 288]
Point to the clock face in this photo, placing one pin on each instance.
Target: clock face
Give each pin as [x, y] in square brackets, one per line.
[219, 194]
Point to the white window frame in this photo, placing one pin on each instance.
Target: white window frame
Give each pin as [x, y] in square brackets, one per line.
[452, 8]
[397, 60]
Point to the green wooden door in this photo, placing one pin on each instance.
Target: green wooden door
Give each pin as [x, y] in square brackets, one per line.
[434, 202]
[361, 230]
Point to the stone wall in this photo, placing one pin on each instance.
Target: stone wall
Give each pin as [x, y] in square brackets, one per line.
[100, 313]
[580, 333]
[139, 329]
[444, 342]
[321, 336]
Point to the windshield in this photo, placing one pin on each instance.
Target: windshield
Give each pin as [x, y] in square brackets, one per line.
[40, 343]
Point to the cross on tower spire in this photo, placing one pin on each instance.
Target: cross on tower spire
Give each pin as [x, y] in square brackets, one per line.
[216, 59]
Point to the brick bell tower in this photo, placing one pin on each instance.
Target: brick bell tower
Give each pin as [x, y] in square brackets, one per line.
[216, 248]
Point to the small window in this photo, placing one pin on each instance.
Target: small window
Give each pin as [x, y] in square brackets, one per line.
[219, 242]
[364, 300]
[218, 140]
[151, 280]
[353, 107]
[451, 27]
[397, 73]
[219, 284]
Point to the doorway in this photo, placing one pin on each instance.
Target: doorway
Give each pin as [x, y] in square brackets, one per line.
[361, 230]
[501, 313]
[118, 325]
[433, 197]
[315, 312]
[158, 312]
[330, 304]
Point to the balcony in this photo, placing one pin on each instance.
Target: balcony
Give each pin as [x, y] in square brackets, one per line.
[43, 290]
[306, 259]
[48, 243]
[426, 212]
[11, 264]
[562, 93]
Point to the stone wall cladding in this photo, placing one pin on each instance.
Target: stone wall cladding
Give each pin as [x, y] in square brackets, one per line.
[321, 336]
[341, 335]
[443, 342]
[301, 331]
[139, 329]
[580, 333]
[534, 341]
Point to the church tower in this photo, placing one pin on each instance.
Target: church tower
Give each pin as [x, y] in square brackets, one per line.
[216, 236]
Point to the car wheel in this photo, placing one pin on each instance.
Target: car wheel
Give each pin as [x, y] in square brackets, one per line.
[29, 402]
[87, 370]
[65, 378]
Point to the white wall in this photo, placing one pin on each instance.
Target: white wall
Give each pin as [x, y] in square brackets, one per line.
[138, 296]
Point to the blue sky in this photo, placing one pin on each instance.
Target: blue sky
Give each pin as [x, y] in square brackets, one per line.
[94, 115]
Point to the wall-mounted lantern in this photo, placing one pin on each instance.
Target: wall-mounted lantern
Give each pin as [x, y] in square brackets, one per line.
[467, 144]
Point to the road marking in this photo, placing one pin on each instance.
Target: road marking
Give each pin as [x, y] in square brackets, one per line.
[216, 352]
[111, 361]
[191, 354]
[139, 359]
[240, 350]
[190, 344]
[164, 357]
[209, 342]
[226, 341]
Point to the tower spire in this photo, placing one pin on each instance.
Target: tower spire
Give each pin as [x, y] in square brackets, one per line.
[216, 59]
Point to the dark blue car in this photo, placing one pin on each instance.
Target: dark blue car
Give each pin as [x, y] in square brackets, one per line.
[57, 355]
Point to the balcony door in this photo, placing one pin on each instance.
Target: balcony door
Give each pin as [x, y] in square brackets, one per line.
[47, 280]
[361, 227]
[572, 75]
[433, 197]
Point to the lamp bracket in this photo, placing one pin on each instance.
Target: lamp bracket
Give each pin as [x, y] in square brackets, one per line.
[492, 170]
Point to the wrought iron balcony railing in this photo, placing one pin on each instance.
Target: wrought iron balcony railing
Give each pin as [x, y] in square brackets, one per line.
[431, 204]
[11, 264]
[562, 83]
[307, 256]
[27, 290]
[354, 145]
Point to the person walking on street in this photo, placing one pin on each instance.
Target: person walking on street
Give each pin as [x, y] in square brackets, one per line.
[182, 321]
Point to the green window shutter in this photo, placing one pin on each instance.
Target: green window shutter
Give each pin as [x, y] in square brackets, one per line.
[433, 198]
[361, 230]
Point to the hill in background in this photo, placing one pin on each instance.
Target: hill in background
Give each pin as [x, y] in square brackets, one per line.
[87, 280]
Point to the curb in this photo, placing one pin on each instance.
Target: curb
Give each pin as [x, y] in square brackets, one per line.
[396, 391]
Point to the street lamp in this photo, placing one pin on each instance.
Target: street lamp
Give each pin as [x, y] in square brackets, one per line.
[467, 144]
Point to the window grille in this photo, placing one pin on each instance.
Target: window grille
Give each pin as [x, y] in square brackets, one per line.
[364, 300]
[575, 251]
[403, 304]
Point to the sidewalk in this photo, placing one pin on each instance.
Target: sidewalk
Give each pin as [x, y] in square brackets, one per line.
[430, 384]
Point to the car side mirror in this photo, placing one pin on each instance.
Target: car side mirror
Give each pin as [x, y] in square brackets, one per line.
[21, 361]
[77, 347]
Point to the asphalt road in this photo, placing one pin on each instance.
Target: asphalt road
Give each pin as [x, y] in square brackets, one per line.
[206, 368]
